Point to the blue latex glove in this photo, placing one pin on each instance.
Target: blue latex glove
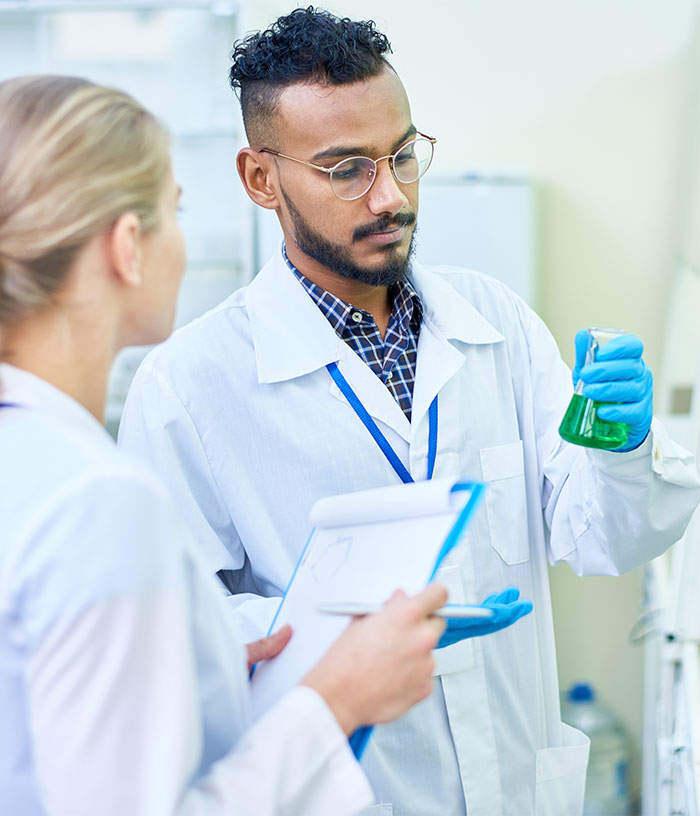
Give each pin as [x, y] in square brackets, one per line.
[506, 610]
[618, 375]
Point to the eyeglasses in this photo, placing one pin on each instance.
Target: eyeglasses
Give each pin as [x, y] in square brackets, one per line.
[352, 178]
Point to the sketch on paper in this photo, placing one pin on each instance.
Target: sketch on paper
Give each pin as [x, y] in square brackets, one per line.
[330, 558]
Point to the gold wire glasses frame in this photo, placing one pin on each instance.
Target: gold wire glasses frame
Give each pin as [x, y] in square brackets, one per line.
[351, 178]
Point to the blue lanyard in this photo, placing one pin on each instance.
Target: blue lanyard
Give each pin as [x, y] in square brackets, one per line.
[358, 740]
[379, 437]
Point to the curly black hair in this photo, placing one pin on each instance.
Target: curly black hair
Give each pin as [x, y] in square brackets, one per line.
[306, 45]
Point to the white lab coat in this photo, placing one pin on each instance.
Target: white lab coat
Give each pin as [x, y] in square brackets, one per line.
[123, 685]
[239, 415]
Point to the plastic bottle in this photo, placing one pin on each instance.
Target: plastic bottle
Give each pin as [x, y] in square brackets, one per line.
[607, 789]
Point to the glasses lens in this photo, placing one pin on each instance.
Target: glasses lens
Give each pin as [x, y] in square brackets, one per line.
[351, 178]
[412, 160]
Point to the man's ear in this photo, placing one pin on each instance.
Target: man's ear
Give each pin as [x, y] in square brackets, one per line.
[124, 248]
[255, 170]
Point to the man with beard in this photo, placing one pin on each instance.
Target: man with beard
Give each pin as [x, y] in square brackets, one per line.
[263, 406]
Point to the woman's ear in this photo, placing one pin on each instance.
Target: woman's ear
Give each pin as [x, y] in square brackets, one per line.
[255, 170]
[124, 248]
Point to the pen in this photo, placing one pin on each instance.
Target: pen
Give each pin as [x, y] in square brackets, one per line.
[358, 608]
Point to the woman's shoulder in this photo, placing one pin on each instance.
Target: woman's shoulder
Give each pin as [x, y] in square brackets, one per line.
[77, 506]
[44, 455]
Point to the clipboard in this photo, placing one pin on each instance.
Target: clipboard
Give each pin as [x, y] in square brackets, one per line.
[362, 547]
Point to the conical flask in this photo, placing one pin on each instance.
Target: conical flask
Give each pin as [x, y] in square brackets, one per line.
[581, 424]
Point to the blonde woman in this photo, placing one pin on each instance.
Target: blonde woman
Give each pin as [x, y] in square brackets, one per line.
[123, 690]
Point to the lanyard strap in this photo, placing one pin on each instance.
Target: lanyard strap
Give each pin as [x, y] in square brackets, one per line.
[378, 436]
[432, 436]
[358, 740]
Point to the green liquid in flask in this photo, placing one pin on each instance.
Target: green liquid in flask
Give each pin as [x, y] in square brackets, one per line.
[581, 426]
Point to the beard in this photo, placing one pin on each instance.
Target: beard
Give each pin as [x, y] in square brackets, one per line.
[337, 258]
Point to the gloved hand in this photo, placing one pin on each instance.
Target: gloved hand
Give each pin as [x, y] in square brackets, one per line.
[506, 609]
[618, 375]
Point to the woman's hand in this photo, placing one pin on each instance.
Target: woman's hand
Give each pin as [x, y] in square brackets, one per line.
[382, 663]
[269, 647]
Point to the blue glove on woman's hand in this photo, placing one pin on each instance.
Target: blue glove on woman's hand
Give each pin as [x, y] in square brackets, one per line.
[505, 608]
[618, 375]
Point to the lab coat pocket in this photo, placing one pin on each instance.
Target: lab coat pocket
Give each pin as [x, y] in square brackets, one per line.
[503, 470]
[560, 775]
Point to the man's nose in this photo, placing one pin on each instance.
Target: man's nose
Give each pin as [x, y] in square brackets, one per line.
[386, 195]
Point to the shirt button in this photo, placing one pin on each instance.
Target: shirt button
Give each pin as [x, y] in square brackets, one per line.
[357, 317]
[390, 375]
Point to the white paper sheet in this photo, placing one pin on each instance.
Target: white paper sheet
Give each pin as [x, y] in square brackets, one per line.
[364, 547]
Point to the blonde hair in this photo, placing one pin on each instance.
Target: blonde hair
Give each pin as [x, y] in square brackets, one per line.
[74, 156]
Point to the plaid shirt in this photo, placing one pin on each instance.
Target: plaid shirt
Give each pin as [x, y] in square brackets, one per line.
[393, 358]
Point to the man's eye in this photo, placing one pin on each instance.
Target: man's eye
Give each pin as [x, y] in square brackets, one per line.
[405, 156]
[347, 173]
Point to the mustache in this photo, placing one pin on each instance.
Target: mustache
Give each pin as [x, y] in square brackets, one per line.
[402, 219]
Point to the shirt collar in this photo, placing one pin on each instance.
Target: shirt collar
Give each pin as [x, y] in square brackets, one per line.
[407, 308]
[26, 390]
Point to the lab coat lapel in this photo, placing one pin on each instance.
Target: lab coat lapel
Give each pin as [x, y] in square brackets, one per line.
[447, 316]
[292, 338]
[372, 392]
[438, 361]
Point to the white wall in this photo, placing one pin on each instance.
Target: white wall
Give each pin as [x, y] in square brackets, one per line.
[595, 100]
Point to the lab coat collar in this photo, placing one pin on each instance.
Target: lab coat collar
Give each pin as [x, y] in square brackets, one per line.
[451, 314]
[20, 387]
[290, 334]
[447, 316]
[292, 337]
